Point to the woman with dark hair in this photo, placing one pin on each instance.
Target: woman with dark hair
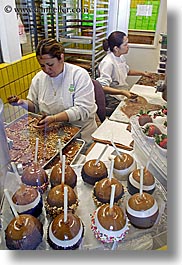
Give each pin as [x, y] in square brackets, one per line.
[113, 69]
[63, 92]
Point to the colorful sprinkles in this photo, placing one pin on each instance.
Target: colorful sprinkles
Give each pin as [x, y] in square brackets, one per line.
[103, 237]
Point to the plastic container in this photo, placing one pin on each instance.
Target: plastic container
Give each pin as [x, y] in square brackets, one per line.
[146, 151]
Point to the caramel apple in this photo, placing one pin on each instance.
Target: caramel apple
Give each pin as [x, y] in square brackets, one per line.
[24, 232]
[142, 210]
[109, 224]
[65, 235]
[34, 175]
[92, 172]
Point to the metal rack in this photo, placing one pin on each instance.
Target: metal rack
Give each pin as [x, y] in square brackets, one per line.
[163, 54]
[81, 25]
[82, 31]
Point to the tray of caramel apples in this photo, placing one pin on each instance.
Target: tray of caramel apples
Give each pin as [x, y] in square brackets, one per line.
[100, 204]
[22, 134]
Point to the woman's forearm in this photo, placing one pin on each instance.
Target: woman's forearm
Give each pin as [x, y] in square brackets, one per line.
[48, 119]
[59, 117]
[137, 73]
[26, 104]
[31, 106]
[114, 91]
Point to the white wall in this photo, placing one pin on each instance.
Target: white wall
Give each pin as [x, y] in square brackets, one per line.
[118, 15]
[139, 57]
[9, 32]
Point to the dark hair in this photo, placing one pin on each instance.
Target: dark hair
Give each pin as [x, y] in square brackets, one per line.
[51, 47]
[114, 39]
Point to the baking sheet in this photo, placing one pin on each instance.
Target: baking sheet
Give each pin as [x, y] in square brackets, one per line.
[111, 130]
[23, 145]
[69, 160]
[136, 239]
[148, 92]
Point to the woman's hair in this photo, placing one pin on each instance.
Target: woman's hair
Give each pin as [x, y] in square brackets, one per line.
[51, 47]
[114, 39]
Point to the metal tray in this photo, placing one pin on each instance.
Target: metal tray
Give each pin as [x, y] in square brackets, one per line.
[69, 159]
[23, 135]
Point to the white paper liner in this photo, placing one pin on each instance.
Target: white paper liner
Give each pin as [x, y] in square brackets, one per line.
[123, 172]
[136, 184]
[142, 213]
[26, 207]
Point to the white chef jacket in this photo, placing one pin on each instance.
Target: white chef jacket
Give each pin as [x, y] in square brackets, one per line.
[71, 91]
[113, 71]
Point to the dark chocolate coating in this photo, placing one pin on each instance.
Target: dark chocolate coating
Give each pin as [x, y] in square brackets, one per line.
[145, 222]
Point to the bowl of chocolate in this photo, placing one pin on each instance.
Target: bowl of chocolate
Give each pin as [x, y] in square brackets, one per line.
[27, 200]
[65, 235]
[34, 175]
[56, 175]
[24, 232]
[133, 182]
[92, 172]
[142, 210]
[124, 164]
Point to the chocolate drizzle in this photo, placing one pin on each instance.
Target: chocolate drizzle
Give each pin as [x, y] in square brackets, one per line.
[131, 108]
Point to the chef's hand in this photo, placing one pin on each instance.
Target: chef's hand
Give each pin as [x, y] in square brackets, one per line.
[20, 102]
[15, 101]
[146, 74]
[130, 95]
[44, 121]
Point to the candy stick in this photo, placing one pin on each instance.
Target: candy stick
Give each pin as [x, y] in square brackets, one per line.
[10, 202]
[16, 173]
[36, 149]
[115, 245]
[101, 154]
[112, 195]
[60, 149]
[65, 203]
[141, 180]
[111, 169]
[63, 168]
[117, 151]
[148, 162]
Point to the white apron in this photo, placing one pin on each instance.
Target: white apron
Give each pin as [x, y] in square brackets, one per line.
[48, 103]
[55, 104]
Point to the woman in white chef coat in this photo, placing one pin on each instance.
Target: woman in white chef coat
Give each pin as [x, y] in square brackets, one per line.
[113, 69]
[62, 91]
